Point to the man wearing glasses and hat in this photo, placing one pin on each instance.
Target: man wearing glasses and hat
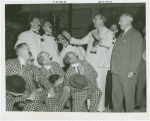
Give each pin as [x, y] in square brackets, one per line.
[32, 38]
[81, 78]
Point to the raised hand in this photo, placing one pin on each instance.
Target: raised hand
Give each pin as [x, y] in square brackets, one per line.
[66, 34]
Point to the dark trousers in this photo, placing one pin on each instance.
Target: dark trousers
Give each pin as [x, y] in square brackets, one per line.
[108, 90]
[123, 88]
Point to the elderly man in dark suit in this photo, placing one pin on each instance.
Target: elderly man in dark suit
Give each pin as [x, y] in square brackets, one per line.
[125, 60]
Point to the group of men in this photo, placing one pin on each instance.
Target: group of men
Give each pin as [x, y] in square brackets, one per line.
[48, 87]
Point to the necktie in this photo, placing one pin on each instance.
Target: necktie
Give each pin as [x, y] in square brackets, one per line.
[22, 72]
[80, 70]
[121, 33]
[48, 35]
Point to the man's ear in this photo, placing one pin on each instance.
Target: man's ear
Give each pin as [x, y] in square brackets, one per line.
[31, 23]
[44, 62]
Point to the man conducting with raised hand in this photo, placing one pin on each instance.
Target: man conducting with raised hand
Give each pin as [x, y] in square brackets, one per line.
[99, 41]
[126, 56]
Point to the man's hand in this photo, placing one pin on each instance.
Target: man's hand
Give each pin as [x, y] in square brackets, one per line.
[66, 34]
[97, 36]
[32, 96]
[130, 74]
[67, 88]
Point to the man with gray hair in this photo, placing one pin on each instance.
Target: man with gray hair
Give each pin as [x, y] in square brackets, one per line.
[99, 41]
[125, 60]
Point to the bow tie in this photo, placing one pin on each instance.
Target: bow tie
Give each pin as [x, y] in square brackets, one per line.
[36, 32]
[48, 35]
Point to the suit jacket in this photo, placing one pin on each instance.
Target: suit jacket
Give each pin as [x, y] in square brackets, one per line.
[33, 40]
[127, 52]
[102, 58]
[13, 67]
[89, 73]
[45, 74]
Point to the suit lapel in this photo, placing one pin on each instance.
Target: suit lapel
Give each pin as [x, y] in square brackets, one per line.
[19, 65]
[103, 33]
[121, 38]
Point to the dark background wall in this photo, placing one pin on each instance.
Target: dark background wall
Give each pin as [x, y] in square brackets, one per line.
[75, 18]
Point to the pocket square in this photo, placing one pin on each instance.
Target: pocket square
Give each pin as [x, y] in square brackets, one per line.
[124, 40]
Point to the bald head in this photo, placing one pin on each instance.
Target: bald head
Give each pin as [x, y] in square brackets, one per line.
[70, 57]
[23, 50]
[44, 58]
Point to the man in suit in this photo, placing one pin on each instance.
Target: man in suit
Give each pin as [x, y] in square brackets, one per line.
[48, 68]
[99, 41]
[125, 60]
[23, 66]
[79, 96]
[32, 38]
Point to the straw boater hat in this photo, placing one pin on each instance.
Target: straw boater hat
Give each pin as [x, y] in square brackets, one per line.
[78, 81]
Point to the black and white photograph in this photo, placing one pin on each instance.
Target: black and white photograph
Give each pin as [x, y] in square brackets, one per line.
[61, 58]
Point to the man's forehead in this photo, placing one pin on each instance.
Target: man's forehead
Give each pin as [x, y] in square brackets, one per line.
[47, 24]
[36, 20]
[114, 26]
[98, 16]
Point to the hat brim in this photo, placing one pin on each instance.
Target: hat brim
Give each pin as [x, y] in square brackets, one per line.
[74, 85]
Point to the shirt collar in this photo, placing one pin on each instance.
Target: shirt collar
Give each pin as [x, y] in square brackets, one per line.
[66, 44]
[34, 30]
[48, 67]
[22, 61]
[48, 34]
[127, 29]
[75, 64]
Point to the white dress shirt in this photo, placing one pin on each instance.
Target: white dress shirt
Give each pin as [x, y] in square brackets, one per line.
[33, 39]
[127, 30]
[101, 58]
[22, 61]
[76, 65]
[50, 45]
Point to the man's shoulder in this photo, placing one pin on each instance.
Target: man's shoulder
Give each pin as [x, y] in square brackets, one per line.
[25, 33]
[55, 64]
[14, 60]
[108, 30]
